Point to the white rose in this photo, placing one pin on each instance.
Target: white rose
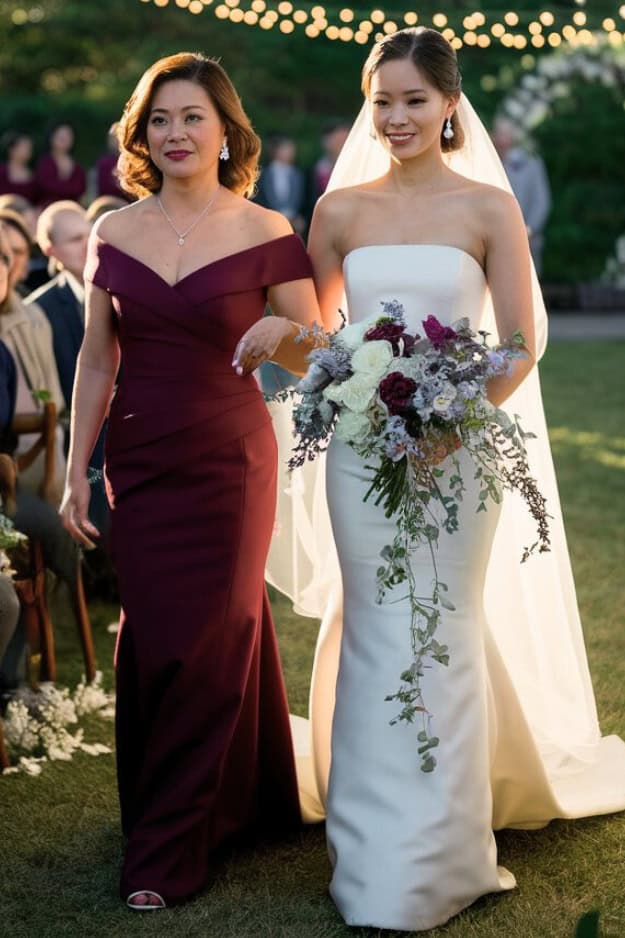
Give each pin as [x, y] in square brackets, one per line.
[373, 358]
[356, 393]
[351, 336]
[352, 427]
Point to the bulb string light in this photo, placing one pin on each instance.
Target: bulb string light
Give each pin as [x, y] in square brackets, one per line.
[521, 31]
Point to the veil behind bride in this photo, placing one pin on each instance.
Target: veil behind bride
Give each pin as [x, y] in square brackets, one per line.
[531, 608]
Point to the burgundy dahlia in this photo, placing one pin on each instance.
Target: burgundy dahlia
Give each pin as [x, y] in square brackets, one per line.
[391, 332]
[396, 391]
[437, 333]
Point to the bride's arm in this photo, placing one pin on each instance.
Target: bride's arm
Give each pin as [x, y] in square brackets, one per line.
[508, 272]
[324, 242]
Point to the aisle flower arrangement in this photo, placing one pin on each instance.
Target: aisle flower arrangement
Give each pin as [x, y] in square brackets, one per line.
[406, 403]
[41, 725]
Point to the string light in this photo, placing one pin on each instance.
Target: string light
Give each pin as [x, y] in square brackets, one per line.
[516, 30]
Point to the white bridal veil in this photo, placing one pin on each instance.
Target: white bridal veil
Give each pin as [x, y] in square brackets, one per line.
[531, 608]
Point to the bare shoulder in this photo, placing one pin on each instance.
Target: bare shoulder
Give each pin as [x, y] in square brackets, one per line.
[338, 205]
[493, 205]
[119, 223]
[263, 224]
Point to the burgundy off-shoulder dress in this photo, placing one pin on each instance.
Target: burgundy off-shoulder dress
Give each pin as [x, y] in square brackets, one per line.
[203, 740]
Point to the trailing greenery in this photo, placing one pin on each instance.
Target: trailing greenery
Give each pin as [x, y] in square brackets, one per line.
[60, 843]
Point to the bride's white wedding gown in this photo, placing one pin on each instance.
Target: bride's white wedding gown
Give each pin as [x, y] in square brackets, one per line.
[410, 849]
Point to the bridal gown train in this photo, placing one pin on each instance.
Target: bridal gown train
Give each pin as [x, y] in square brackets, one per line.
[410, 849]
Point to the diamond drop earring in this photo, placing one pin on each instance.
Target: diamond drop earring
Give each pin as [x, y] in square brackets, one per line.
[448, 132]
[224, 153]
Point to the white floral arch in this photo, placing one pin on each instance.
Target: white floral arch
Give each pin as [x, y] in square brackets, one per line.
[533, 99]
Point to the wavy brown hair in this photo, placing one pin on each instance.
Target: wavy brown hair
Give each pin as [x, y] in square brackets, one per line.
[138, 174]
[433, 56]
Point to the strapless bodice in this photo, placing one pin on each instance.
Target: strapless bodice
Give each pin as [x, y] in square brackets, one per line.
[427, 279]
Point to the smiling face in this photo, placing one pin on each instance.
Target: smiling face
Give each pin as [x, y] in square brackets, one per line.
[184, 131]
[408, 111]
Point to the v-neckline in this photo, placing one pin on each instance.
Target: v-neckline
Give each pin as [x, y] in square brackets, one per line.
[198, 270]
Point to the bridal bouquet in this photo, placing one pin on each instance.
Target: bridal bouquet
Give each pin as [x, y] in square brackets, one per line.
[405, 402]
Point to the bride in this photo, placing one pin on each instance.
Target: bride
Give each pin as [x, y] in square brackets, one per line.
[423, 217]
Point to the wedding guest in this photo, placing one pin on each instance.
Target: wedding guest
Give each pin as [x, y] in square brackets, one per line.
[281, 184]
[31, 514]
[16, 175]
[62, 234]
[204, 749]
[332, 140]
[9, 603]
[106, 168]
[528, 177]
[58, 175]
[20, 242]
[28, 335]
[8, 374]
[38, 264]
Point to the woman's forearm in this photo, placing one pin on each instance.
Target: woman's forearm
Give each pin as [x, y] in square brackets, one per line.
[501, 387]
[93, 390]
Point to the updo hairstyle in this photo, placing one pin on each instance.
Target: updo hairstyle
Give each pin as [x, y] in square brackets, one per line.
[433, 56]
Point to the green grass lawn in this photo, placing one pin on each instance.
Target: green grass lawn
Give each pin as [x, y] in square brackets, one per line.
[59, 833]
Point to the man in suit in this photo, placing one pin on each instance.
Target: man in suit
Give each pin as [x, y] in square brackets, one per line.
[528, 177]
[281, 184]
[62, 234]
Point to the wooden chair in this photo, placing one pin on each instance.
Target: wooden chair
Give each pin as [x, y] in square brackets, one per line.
[30, 582]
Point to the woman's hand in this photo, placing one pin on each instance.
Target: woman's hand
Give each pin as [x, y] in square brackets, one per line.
[260, 342]
[74, 513]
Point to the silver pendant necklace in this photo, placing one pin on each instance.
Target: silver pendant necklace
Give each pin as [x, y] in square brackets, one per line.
[181, 235]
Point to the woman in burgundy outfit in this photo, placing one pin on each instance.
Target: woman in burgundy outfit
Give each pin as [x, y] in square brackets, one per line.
[58, 175]
[173, 281]
[16, 176]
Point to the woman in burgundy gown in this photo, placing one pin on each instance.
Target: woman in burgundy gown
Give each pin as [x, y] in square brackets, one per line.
[174, 280]
[58, 175]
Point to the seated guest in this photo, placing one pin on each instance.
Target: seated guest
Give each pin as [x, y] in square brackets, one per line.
[32, 516]
[38, 266]
[58, 175]
[16, 176]
[27, 333]
[62, 233]
[20, 242]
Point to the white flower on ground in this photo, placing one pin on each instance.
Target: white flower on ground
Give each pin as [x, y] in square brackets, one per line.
[372, 358]
[352, 427]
